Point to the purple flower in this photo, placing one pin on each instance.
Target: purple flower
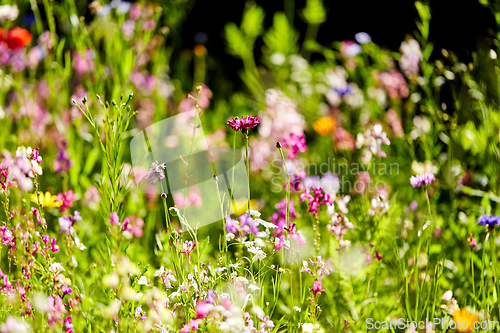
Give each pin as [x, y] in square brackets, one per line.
[362, 38]
[489, 220]
[413, 205]
[156, 172]
[419, 180]
[66, 290]
[66, 222]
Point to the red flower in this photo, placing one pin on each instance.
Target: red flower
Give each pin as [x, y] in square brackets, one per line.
[15, 38]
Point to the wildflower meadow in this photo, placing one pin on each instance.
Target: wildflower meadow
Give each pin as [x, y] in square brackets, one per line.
[331, 187]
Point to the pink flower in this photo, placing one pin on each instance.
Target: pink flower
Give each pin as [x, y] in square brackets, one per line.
[67, 199]
[246, 123]
[68, 324]
[419, 180]
[188, 247]
[317, 288]
[234, 123]
[203, 309]
[133, 225]
[56, 307]
[190, 327]
[295, 144]
[114, 219]
[249, 122]
[344, 140]
[53, 247]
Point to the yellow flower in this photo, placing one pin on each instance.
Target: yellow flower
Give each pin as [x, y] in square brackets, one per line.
[240, 205]
[465, 320]
[325, 125]
[47, 200]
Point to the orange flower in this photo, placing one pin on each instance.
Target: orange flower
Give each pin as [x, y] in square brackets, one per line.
[15, 38]
[325, 125]
[465, 320]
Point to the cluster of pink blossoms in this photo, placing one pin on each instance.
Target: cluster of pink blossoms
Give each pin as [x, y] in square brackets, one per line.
[132, 225]
[247, 123]
[316, 198]
[295, 144]
[18, 170]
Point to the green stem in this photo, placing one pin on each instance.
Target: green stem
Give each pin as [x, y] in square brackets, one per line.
[248, 170]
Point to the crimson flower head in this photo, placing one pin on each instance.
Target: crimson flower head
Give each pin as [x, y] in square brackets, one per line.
[234, 123]
[15, 38]
[249, 122]
[244, 123]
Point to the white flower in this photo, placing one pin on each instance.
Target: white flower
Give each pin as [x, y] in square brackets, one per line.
[241, 279]
[79, 244]
[259, 256]
[143, 281]
[14, 325]
[159, 272]
[307, 328]
[253, 213]
[56, 268]
[296, 308]
[229, 236]
[447, 295]
[138, 296]
[264, 223]
[253, 287]
[8, 13]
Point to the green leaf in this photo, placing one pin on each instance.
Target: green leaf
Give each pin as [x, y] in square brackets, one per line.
[236, 41]
[314, 13]
[281, 37]
[253, 21]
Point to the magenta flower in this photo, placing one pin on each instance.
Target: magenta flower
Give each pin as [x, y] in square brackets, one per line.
[295, 144]
[68, 324]
[419, 180]
[249, 122]
[317, 288]
[132, 225]
[53, 246]
[203, 309]
[245, 123]
[114, 219]
[314, 195]
[234, 123]
[67, 199]
[190, 327]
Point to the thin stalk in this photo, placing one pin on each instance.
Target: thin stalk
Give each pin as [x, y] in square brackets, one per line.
[287, 218]
[248, 170]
